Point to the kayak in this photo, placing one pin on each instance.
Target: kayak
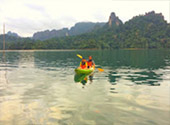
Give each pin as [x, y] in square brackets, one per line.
[84, 71]
[79, 77]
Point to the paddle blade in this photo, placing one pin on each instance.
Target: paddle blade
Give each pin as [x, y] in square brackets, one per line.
[79, 56]
[101, 70]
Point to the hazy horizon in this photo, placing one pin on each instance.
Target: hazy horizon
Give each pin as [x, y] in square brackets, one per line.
[27, 17]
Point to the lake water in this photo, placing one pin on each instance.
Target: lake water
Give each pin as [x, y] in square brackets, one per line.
[38, 87]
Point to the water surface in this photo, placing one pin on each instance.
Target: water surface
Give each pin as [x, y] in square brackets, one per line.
[38, 87]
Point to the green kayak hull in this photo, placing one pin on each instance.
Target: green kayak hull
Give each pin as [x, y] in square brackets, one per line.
[84, 71]
[79, 77]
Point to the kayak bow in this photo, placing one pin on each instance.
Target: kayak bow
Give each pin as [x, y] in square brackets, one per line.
[84, 71]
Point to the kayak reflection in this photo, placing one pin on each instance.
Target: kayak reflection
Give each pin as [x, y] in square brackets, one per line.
[83, 78]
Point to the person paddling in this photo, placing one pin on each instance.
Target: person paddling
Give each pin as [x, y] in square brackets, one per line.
[83, 64]
[90, 62]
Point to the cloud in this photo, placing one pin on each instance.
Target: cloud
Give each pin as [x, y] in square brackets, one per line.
[37, 8]
[28, 16]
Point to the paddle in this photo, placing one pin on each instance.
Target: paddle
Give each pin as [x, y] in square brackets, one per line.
[100, 69]
[80, 56]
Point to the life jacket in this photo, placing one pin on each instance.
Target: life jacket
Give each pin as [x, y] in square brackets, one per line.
[83, 65]
[90, 63]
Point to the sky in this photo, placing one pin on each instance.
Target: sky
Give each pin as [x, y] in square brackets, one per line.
[26, 17]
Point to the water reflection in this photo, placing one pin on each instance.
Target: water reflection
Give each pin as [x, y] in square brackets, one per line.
[3, 71]
[140, 65]
[41, 89]
[61, 59]
[140, 59]
[140, 76]
[136, 66]
[83, 78]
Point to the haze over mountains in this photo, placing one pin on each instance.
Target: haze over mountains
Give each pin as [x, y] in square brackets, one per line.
[143, 31]
[77, 29]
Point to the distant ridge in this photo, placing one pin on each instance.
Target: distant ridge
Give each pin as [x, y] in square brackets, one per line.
[9, 33]
[149, 31]
[77, 29]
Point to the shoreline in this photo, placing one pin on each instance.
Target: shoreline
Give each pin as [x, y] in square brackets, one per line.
[39, 50]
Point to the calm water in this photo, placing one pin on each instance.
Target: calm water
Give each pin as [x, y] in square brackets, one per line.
[39, 88]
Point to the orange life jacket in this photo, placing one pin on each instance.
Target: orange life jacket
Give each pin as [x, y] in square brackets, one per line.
[83, 66]
[90, 63]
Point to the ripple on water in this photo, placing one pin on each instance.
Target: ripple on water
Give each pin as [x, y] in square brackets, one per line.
[42, 90]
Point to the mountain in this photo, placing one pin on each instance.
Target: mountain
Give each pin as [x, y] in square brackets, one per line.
[9, 38]
[77, 29]
[12, 39]
[44, 35]
[9, 33]
[114, 20]
[143, 31]
[84, 27]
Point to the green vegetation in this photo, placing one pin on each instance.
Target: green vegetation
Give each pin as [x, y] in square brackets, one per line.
[144, 31]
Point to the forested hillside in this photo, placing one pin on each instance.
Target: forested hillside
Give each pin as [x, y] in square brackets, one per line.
[143, 31]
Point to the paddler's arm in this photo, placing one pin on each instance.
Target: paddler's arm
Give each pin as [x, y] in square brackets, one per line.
[93, 63]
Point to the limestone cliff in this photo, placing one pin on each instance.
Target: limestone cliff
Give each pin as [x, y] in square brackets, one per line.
[114, 20]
